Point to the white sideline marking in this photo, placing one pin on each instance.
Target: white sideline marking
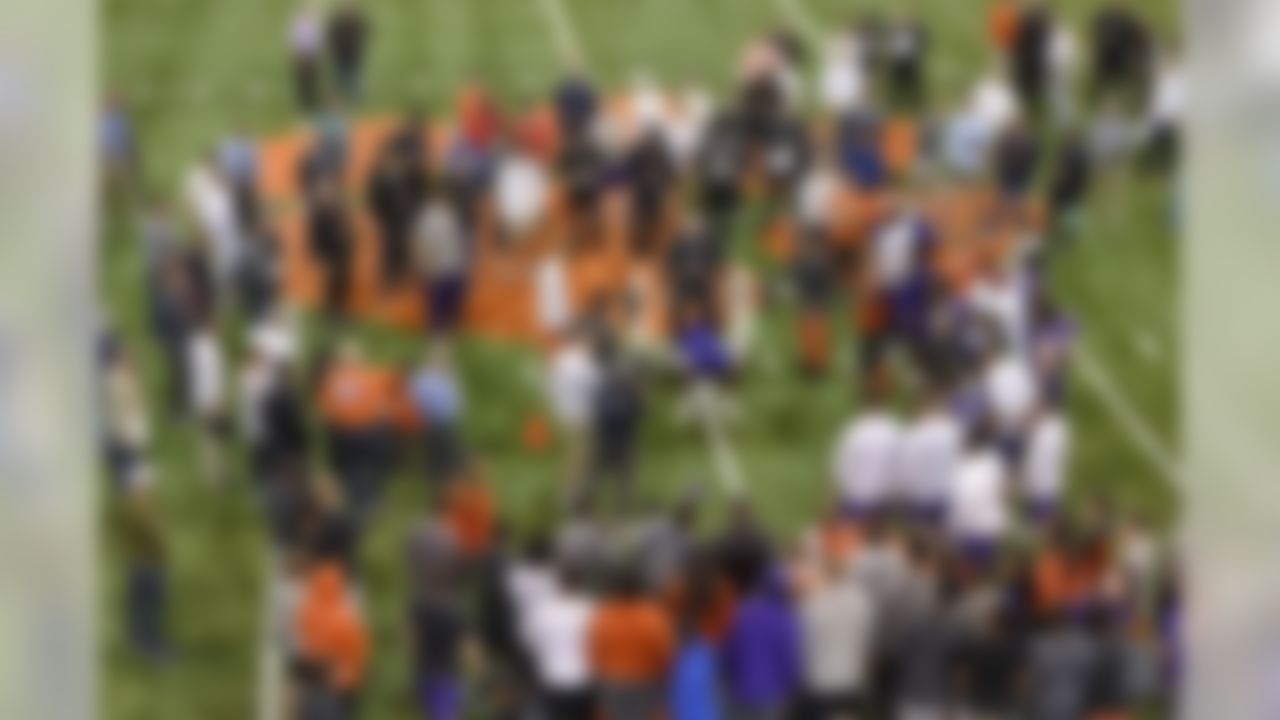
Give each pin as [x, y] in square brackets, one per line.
[799, 15]
[270, 659]
[562, 29]
[728, 469]
[1097, 376]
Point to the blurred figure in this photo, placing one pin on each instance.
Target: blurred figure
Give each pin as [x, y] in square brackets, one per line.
[1063, 62]
[1121, 50]
[207, 371]
[1165, 111]
[348, 38]
[1014, 164]
[930, 450]
[520, 192]
[1030, 57]
[559, 634]
[838, 622]
[438, 635]
[631, 644]
[616, 416]
[354, 399]
[761, 657]
[238, 163]
[576, 105]
[650, 173]
[306, 44]
[842, 80]
[442, 248]
[212, 205]
[330, 240]
[1069, 183]
[393, 203]
[906, 46]
[118, 147]
[977, 509]
[146, 600]
[334, 647]
[573, 381]
[125, 427]
[438, 397]
[1044, 467]
[864, 464]
[1062, 663]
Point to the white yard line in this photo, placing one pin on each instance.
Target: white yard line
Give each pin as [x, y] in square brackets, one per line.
[270, 658]
[799, 15]
[1144, 438]
[567, 40]
[728, 468]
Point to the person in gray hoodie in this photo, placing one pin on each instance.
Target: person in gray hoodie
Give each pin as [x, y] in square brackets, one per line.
[838, 620]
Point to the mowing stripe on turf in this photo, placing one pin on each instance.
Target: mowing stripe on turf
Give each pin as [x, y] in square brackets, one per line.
[563, 30]
[1144, 439]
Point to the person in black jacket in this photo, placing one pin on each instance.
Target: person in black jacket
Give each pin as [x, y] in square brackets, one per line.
[348, 36]
[391, 199]
[1030, 57]
[1121, 53]
[330, 242]
[1069, 185]
[906, 53]
[650, 173]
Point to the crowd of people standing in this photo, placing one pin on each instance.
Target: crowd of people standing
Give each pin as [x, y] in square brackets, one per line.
[946, 578]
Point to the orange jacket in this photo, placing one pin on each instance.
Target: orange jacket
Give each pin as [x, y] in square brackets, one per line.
[355, 396]
[471, 513]
[331, 631]
[631, 641]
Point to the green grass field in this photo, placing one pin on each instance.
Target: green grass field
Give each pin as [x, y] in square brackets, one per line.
[192, 68]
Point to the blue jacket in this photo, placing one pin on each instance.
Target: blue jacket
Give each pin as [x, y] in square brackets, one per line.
[695, 684]
[761, 654]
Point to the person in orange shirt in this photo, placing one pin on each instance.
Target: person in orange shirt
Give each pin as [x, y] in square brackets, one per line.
[1002, 24]
[356, 407]
[333, 645]
[471, 513]
[631, 645]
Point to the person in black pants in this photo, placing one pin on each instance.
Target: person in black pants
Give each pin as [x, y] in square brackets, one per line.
[391, 199]
[1030, 56]
[650, 173]
[906, 54]
[1069, 186]
[348, 36]
[1121, 53]
[329, 237]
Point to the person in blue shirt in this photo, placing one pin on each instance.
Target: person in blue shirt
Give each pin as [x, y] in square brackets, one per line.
[437, 396]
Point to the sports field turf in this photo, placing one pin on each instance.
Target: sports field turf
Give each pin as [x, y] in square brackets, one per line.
[191, 69]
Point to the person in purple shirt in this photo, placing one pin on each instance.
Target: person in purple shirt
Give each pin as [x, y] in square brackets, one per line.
[760, 657]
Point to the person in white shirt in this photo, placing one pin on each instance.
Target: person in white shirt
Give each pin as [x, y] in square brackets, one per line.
[865, 459]
[1064, 57]
[931, 447]
[1044, 466]
[306, 46]
[440, 247]
[557, 636]
[211, 204]
[977, 508]
[842, 82]
[1012, 394]
[1001, 298]
[838, 626]
[208, 401]
[572, 381]
[1165, 112]
[521, 189]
